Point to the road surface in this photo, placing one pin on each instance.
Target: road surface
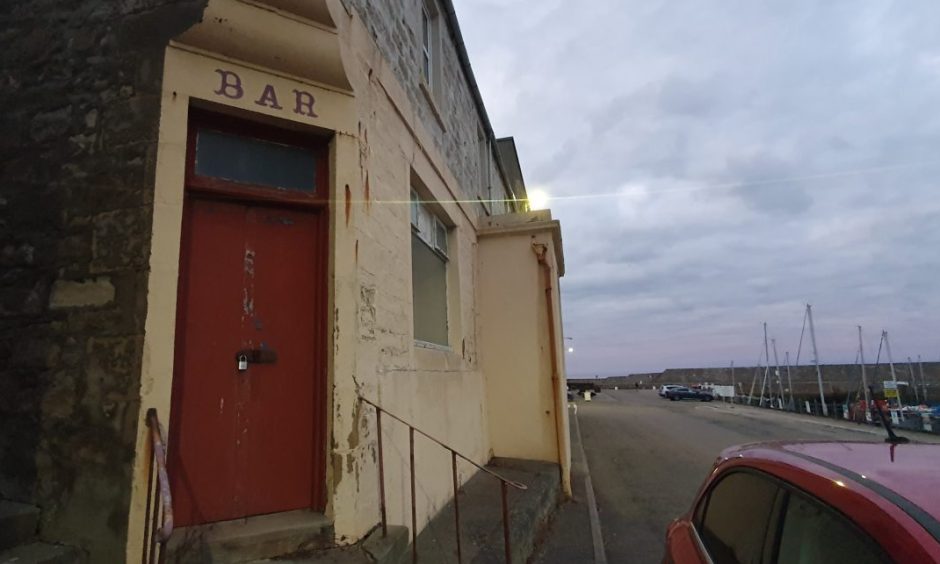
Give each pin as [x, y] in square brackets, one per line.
[648, 456]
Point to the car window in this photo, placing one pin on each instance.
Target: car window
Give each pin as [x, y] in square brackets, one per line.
[814, 533]
[735, 520]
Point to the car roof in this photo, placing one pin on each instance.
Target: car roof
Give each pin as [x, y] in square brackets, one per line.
[906, 470]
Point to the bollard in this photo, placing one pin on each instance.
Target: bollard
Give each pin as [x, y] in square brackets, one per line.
[894, 417]
[927, 424]
[587, 395]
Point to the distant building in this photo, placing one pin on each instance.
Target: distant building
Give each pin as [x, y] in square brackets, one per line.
[246, 215]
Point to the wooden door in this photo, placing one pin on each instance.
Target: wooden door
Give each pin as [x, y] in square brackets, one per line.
[248, 415]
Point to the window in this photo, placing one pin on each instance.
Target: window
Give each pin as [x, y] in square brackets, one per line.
[426, 52]
[247, 160]
[736, 518]
[429, 257]
[814, 533]
[430, 37]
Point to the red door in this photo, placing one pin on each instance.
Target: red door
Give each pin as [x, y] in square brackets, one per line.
[246, 440]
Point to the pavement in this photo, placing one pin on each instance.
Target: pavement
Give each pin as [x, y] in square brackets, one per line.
[646, 458]
[573, 534]
[482, 536]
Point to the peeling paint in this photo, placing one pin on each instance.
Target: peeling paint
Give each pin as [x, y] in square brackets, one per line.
[248, 304]
[352, 441]
[335, 330]
[367, 194]
[348, 204]
[249, 262]
[337, 463]
[357, 251]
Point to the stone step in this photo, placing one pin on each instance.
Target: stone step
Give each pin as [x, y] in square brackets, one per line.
[251, 539]
[18, 522]
[40, 553]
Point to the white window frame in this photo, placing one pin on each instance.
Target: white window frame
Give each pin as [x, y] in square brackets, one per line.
[430, 230]
[427, 51]
[429, 39]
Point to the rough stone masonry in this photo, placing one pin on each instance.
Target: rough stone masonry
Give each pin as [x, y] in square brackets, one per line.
[80, 98]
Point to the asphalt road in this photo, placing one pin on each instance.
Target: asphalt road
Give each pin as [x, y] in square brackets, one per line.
[648, 456]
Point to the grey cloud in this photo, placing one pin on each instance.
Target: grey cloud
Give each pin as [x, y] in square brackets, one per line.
[736, 160]
[766, 183]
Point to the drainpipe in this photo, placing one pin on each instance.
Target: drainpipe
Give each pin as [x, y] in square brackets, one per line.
[540, 253]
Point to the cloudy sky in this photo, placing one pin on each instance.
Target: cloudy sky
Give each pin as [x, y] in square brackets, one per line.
[720, 163]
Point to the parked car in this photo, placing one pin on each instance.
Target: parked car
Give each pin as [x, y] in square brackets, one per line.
[681, 393]
[814, 502]
[665, 388]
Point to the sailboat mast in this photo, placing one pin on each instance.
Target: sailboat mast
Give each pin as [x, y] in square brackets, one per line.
[763, 383]
[773, 343]
[910, 368]
[812, 336]
[750, 396]
[894, 375]
[789, 380]
[861, 355]
[923, 382]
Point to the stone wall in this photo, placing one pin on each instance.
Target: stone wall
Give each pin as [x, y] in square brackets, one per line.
[452, 118]
[79, 88]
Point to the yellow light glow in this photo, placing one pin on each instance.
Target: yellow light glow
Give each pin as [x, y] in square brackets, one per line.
[538, 199]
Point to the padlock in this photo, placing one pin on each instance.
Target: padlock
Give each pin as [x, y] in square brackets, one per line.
[242, 363]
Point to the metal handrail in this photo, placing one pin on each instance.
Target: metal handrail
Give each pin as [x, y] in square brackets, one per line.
[160, 512]
[503, 483]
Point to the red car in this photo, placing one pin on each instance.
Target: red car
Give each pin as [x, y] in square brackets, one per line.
[814, 502]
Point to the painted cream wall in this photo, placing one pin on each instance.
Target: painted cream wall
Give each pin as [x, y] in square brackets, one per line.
[377, 145]
[522, 399]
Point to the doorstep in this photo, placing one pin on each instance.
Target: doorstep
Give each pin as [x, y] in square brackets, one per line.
[250, 538]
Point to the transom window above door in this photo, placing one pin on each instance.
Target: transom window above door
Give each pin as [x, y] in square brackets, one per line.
[243, 159]
[247, 160]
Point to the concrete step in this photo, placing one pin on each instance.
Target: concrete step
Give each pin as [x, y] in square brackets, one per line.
[18, 523]
[40, 553]
[251, 539]
[481, 525]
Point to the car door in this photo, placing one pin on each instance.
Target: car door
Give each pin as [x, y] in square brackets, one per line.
[734, 520]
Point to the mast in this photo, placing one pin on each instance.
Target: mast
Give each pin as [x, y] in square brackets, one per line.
[894, 375]
[790, 381]
[773, 343]
[861, 355]
[763, 383]
[923, 382]
[910, 368]
[812, 336]
[750, 396]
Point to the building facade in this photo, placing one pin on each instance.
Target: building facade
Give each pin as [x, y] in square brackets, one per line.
[249, 216]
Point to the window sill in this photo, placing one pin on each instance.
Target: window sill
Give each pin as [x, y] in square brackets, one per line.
[426, 90]
[433, 346]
